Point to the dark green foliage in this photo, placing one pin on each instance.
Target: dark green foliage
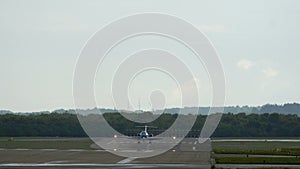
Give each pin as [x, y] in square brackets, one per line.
[254, 125]
[257, 160]
[40, 125]
[231, 125]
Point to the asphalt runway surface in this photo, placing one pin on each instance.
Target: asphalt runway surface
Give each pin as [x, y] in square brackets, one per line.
[99, 158]
[29, 165]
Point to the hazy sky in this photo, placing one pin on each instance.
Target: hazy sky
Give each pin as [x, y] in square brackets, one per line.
[257, 42]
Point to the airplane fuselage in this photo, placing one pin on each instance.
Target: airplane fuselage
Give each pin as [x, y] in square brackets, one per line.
[144, 134]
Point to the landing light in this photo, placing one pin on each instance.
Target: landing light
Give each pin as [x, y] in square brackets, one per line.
[115, 136]
[174, 137]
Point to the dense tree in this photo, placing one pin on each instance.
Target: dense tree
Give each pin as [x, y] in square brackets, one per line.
[40, 125]
[231, 125]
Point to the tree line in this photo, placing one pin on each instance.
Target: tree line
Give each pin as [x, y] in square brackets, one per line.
[231, 125]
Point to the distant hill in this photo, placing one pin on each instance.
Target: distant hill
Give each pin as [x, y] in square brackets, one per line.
[5, 112]
[288, 108]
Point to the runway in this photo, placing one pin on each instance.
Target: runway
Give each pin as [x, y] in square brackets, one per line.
[84, 165]
[188, 154]
[122, 166]
[47, 149]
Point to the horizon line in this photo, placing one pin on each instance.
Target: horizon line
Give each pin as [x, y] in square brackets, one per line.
[113, 108]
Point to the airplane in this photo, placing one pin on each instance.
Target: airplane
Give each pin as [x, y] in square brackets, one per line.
[144, 134]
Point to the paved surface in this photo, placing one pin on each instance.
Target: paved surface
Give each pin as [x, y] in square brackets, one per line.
[127, 160]
[188, 154]
[51, 149]
[145, 148]
[46, 165]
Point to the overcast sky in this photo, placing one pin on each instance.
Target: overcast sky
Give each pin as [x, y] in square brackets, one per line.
[257, 42]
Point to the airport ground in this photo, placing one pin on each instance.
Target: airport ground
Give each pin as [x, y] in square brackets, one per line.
[80, 153]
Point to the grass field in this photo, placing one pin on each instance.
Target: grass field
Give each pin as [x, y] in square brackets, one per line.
[290, 149]
[257, 160]
[257, 147]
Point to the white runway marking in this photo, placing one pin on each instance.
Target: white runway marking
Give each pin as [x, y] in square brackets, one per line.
[22, 149]
[127, 160]
[56, 162]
